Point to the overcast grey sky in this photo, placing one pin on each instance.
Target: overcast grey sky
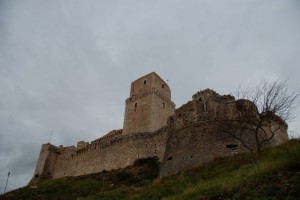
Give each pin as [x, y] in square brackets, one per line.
[67, 65]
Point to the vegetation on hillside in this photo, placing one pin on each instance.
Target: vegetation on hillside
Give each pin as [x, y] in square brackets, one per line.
[272, 174]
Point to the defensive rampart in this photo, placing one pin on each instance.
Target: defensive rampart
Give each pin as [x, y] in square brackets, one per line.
[102, 154]
[198, 132]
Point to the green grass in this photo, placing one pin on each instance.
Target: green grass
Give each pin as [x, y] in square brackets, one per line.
[273, 174]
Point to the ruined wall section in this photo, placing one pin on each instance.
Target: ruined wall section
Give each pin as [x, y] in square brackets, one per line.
[46, 163]
[206, 106]
[196, 145]
[111, 153]
[194, 138]
[148, 106]
[275, 129]
[197, 136]
[281, 136]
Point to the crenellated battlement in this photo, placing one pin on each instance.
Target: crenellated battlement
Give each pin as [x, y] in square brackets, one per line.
[107, 142]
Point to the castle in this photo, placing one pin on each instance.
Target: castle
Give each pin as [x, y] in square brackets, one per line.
[181, 138]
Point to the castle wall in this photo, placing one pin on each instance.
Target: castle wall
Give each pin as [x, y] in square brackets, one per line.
[114, 153]
[277, 131]
[194, 138]
[199, 134]
[281, 137]
[196, 145]
[46, 162]
[192, 135]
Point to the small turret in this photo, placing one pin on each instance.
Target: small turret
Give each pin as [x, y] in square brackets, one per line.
[45, 164]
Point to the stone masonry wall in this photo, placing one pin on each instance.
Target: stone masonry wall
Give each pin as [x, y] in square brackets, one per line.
[46, 163]
[108, 154]
[182, 139]
[148, 106]
[196, 134]
[196, 145]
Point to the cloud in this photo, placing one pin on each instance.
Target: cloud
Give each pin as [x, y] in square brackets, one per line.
[66, 66]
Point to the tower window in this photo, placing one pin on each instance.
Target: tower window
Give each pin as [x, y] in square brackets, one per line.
[164, 105]
[135, 104]
[145, 82]
[162, 85]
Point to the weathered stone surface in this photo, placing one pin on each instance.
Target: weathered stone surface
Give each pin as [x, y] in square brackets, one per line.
[197, 136]
[143, 135]
[149, 105]
[111, 153]
[183, 138]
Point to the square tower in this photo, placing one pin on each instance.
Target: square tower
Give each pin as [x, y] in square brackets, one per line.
[149, 105]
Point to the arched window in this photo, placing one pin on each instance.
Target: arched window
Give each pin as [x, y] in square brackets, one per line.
[145, 82]
[162, 85]
[164, 105]
[135, 104]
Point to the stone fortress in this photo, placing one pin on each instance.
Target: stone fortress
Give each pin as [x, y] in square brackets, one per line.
[181, 138]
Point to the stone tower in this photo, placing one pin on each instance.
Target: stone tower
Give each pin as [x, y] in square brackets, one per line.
[149, 105]
[45, 164]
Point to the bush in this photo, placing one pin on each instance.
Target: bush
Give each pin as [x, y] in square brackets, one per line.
[123, 176]
[150, 161]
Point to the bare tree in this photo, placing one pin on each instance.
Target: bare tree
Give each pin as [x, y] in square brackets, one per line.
[275, 105]
[272, 97]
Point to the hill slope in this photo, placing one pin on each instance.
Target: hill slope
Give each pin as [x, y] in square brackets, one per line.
[274, 174]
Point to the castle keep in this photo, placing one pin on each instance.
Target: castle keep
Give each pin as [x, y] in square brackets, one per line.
[181, 138]
[149, 105]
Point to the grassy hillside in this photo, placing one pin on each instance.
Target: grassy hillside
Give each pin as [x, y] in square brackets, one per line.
[274, 174]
